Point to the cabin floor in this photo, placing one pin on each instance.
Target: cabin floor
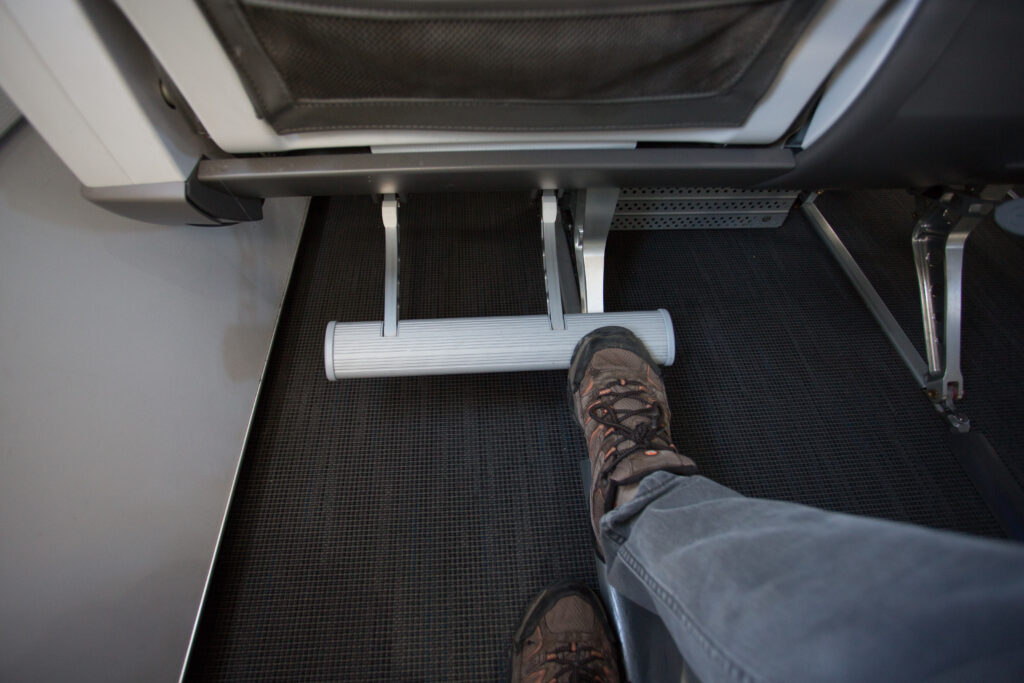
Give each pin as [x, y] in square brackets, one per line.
[393, 529]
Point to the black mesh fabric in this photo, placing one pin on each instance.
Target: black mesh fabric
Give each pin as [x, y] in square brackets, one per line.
[393, 529]
[318, 65]
[605, 57]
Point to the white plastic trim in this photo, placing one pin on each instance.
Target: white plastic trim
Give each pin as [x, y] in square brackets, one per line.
[38, 94]
[60, 74]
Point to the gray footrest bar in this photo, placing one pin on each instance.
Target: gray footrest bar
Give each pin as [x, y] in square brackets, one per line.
[477, 345]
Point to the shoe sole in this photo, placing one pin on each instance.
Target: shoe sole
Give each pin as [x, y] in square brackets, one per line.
[603, 338]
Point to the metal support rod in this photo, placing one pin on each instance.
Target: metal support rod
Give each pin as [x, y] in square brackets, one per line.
[952, 377]
[923, 243]
[389, 215]
[592, 219]
[549, 234]
[904, 347]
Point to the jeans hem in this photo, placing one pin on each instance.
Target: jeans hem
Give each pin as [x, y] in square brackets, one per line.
[728, 663]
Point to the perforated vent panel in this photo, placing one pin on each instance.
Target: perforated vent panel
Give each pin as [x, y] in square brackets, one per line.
[673, 208]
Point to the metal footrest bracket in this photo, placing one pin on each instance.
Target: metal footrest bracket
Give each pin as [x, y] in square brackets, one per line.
[496, 344]
[549, 224]
[389, 216]
[592, 219]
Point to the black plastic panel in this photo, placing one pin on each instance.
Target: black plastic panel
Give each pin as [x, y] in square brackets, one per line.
[332, 174]
[947, 107]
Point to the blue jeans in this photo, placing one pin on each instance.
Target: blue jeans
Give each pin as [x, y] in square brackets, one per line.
[759, 590]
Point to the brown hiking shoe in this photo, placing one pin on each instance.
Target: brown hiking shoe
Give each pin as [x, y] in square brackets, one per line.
[619, 399]
[565, 637]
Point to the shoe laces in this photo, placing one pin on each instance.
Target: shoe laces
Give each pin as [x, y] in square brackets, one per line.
[649, 433]
[580, 662]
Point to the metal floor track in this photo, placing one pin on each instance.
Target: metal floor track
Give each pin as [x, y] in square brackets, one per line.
[393, 529]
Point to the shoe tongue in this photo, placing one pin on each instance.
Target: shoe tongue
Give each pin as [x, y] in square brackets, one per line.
[617, 362]
[631, 403]
[570, 614]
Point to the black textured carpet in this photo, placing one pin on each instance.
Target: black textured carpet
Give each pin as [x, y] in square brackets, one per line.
[785, 387]
[394, 529]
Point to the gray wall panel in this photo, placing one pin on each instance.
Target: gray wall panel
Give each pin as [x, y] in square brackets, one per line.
[130, 357]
